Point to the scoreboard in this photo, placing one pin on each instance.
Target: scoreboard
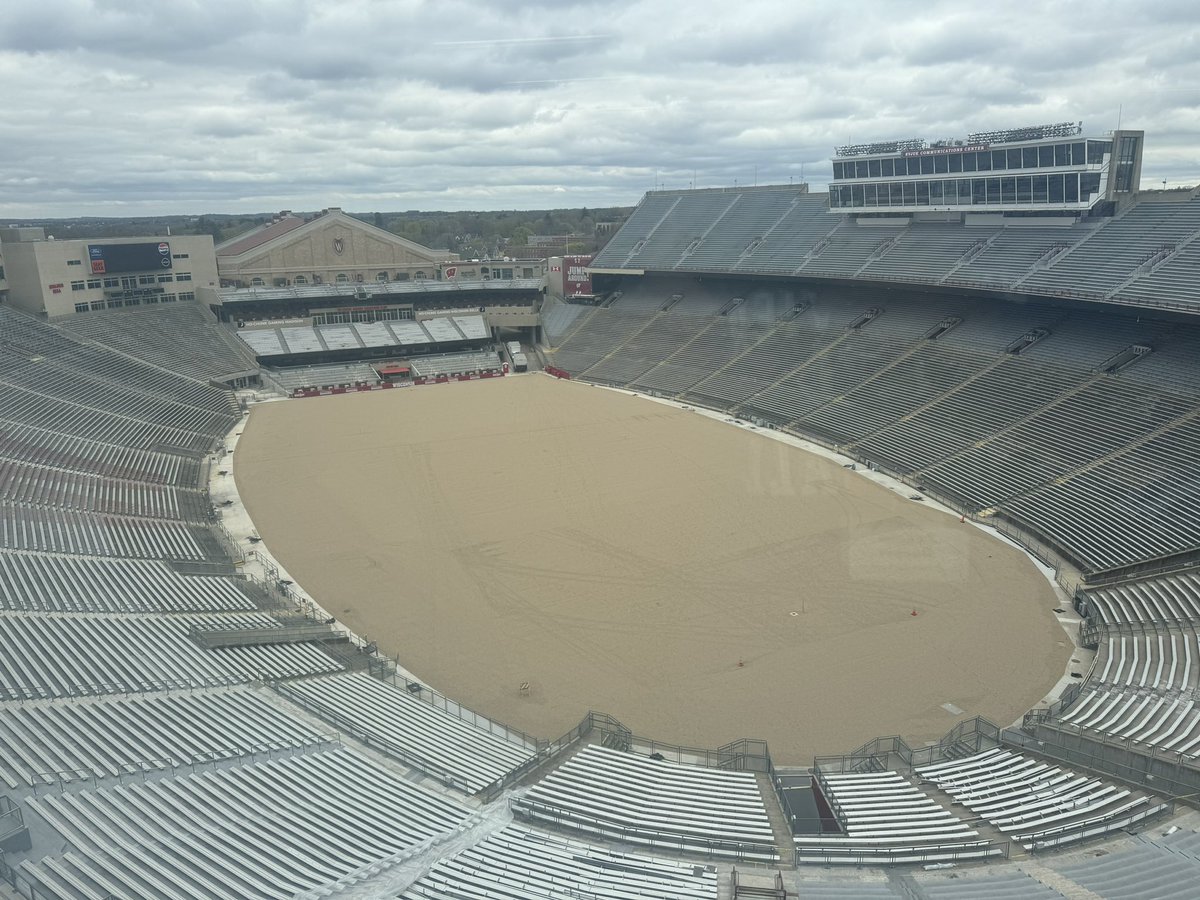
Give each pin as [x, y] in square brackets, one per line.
[109, 259]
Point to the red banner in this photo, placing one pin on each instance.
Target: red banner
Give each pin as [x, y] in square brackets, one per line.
[577, 280]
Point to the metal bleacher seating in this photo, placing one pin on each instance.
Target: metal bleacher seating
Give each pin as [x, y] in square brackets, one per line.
[1114, 252]
[1143, 255]
[885, 819]
[272, 828]
[558, 318]
[84, 739]
[1171, 598]
[45, 530]
[46, 447]
[330, 374]
[465, 755]
[180, 337]
[1163, 868]
[36, 583]
[526, 863]
[614, 795]
[1037, 804]
[454, 363]
[1152, 721]
[1010, 885]
[37, 485]
[62, 655]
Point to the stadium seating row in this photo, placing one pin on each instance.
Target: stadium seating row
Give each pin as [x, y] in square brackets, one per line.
[782, 231]
[618, 796]
[1037, 804]
[927, 389]
[270, 829]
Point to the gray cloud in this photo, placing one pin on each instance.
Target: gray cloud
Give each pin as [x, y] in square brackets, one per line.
[249, 105]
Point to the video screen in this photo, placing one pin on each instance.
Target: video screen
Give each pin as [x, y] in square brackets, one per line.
[110, 259]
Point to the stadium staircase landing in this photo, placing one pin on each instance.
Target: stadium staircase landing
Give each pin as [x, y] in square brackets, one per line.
[784, 842]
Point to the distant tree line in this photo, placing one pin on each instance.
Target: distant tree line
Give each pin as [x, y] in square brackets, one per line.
[493, 233]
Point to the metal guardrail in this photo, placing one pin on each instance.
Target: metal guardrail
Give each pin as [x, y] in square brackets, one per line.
[1162, 774]
[869, 855]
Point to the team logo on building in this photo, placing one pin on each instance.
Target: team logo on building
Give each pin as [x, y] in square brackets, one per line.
[338, 245]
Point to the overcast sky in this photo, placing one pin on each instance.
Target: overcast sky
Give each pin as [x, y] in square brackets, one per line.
[124, 107]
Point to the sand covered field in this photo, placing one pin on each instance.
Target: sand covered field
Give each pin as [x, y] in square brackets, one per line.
[698, 581]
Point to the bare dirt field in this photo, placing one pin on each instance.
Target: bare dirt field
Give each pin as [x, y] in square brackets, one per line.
[697, 581]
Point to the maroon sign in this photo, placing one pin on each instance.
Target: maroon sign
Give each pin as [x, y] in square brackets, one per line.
[577, 280]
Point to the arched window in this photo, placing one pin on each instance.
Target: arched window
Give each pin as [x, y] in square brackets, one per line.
[256, 282]
[420, 276]
[299, 279]
[342, 278]
[381, 276]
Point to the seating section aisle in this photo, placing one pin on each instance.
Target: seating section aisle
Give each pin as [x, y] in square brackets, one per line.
[270, 829]
[518, 862]
[654, 803]
[1037, 804]
[887, 820]
[413, 730]
[80, 739]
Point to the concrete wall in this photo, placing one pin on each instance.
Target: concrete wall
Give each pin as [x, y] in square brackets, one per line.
[50, 277]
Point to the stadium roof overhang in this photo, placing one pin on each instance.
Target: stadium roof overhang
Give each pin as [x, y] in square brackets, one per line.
[364, 290]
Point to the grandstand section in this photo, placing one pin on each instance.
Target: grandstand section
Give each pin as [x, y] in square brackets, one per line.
[270, 828]
[300, 345]
[1134, 257]
[527, 863]
[181, 337]
[655, 804]
[935, 389]
[466, 756]
[1036, 804]
[37, 583]
[65, 741]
